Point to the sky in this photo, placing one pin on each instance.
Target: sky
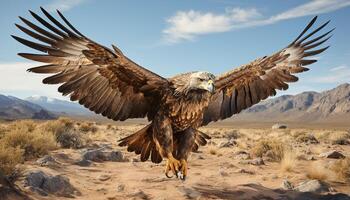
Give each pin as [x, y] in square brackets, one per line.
[171, 37]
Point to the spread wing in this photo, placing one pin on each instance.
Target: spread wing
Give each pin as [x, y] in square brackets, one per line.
[104, 81]
[247, 85]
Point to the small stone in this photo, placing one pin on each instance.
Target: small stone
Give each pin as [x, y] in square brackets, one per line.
[190, 193]
[286, 185]
[120, 187]
[104, 177]
[256, 161]
[244, 171]
[222, 172]
[332, 154]
[98, 155]
[242, 155]
[229, 143]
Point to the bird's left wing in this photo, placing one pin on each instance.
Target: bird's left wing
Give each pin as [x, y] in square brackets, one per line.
[249, 84]
[104, 81]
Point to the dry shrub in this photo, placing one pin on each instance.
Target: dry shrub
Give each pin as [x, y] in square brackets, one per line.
[341, 138]
[88, 127]
[34, 144]
[288, 161]
[317, 171]
[213, 151]
[109, 127]
[342, 169]
[9, 158]
[303, 137]
[65, 133]
[272, 148]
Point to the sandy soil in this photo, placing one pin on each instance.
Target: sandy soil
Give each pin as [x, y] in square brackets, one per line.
[214, 172]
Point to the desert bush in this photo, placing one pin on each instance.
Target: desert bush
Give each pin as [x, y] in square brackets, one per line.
[304, 137]
[9, 158]
[318, 171]
[65, 133]
[288, 161]
[341, 138]
[342, 169]
[272, 148]
[88, 127]
[109, 126]
[34, 144]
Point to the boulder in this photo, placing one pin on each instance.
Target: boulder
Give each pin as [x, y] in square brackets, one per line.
[242, 155]
[256, 161]
[332, 154]
[229, 143]
[99, 155]
[45, 184]
[312, 186]
[279, 126]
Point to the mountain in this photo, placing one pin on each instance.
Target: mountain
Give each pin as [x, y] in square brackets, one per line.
[15, 108]
[59, 106]
[333, 104]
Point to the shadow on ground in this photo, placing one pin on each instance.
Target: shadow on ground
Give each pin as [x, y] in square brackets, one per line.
[259, 192]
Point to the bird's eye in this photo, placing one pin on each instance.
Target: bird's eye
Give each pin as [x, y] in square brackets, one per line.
[201, 79]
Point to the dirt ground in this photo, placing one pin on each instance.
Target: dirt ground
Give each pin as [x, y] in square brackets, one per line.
[220, 170]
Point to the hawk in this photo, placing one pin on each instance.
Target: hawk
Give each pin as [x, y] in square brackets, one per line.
[109, 83]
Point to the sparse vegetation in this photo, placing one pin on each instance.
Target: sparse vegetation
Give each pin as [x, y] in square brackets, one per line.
[289, 161]
[88, 127]
[304, 137]
[342, 169]
[272, 148]
[317, 171]
[9, 158]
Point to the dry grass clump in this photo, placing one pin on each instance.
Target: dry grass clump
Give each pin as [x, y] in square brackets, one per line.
[88, 127]
[341, 138]
[272, 148]
[34, 142]
[9, 158]
[318, 171]
[303, 137]
[289, 161]
[65, 133]
[342, 169]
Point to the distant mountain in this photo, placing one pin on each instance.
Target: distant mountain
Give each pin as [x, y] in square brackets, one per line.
[310, 106]
[15, 108]
[59, 106]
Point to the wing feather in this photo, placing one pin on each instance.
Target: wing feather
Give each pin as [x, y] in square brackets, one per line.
[256, 81]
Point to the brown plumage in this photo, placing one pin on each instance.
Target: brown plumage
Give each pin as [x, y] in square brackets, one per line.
[109, 83]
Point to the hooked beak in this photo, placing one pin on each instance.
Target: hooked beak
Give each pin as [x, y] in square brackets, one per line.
[210, 86]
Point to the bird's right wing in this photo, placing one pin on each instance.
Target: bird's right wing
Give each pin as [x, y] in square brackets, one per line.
[104, 81]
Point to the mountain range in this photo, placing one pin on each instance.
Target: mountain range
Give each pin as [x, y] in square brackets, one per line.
[329, 105]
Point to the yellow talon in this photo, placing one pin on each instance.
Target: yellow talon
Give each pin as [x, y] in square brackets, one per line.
[172, 165]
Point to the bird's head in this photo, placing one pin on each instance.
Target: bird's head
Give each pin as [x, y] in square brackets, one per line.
[202, 81]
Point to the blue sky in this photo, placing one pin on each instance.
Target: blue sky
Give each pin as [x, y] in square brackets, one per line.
[171, 37]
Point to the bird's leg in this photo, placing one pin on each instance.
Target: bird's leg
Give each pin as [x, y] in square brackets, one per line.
[163, 137]
[185, 142]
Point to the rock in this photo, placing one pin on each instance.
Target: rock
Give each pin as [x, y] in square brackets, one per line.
[104, 177]
[228, 143]
[244, 171]
[45, 184]
[98, 155]
[242, 155]
[312, 186]
[332, 154]
[256, 161]
[310, 157]
[279, 126]
[139, 195]
[47, 161]
[83, 163]
[306, 138]
[120, 187]
[286, 185]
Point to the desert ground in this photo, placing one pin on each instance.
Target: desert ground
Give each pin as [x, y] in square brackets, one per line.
[65, 159]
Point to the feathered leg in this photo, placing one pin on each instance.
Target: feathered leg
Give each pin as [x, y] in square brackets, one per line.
[184, 144]
[163, 138]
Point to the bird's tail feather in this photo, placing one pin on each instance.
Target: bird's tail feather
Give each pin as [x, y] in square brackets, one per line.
[142, 143]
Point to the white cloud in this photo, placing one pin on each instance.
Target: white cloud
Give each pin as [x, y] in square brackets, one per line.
[63, 5]
[186, 25]
[15, 80]
[338, 75]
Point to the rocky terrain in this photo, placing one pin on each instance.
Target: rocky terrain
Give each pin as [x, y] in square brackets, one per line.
[270, 163]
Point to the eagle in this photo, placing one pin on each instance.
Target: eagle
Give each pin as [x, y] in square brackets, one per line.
[109, 83]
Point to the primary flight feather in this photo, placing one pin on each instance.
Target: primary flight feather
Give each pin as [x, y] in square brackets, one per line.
[109, 83]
